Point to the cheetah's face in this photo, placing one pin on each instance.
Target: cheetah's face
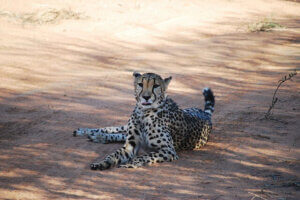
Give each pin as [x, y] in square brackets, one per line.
[150, 89]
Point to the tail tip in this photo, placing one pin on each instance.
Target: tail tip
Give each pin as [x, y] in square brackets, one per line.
[209, 100]
[208, 94]
[205, 90]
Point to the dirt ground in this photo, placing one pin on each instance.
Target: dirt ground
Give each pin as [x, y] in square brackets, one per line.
[55, 77]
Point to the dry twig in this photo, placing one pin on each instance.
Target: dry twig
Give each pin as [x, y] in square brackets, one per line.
[275, 99]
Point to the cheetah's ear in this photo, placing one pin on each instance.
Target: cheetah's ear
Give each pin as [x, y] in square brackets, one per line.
[136, 74]
[167, 81]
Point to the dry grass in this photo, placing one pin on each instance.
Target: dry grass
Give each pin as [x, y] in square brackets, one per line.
[45, 16]
[264, 25]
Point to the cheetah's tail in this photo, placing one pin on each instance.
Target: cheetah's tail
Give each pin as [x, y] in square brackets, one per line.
[209, 101]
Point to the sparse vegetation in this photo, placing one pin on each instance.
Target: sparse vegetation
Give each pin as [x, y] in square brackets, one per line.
[275, 99]
[45, 16]
[264, 25]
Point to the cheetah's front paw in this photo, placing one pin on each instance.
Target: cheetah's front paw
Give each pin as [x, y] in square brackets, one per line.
[101, 165]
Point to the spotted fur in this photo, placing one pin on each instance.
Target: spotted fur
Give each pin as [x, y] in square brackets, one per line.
[157, 125]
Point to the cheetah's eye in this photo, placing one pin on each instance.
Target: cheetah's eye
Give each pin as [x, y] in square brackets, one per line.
[141, 84]
[155, 86]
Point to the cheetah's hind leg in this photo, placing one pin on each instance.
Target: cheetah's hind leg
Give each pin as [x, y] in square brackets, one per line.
[96, 135]
[106, 138]
[84, 131]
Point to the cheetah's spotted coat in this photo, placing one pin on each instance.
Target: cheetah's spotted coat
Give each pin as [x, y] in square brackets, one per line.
[157, 125]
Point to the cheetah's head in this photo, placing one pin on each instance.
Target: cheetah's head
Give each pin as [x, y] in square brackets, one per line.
[150, 89]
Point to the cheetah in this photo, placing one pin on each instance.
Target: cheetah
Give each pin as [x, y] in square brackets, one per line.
[157, 125]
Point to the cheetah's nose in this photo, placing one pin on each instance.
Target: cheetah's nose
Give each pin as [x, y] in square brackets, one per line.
[146, 97]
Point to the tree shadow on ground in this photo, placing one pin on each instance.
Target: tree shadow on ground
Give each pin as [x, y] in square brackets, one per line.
[40, 158]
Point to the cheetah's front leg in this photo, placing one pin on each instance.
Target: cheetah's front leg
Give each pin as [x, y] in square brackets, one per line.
[163, 155]
[163, 151]
[124, 154]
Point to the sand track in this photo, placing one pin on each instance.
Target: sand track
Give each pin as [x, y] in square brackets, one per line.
[78, 73]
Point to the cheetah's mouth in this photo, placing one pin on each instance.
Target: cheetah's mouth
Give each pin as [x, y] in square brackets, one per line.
[146, 104]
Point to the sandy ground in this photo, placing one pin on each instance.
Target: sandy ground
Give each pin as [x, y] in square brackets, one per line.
[78, 73]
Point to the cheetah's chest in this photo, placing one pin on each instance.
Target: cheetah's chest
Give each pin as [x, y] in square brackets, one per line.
[150, 126]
